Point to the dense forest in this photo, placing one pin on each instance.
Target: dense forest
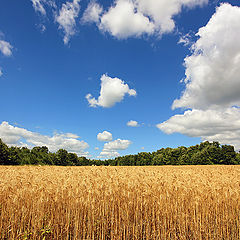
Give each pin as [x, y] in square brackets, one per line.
[205, 153]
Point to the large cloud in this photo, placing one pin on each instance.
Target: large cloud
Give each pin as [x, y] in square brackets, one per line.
[66, 18]
[212, 125]
[212, 82]
[15, 136]
[133, 18]
[110, 149]
[105, 136]
[212, 71]
[112, 91]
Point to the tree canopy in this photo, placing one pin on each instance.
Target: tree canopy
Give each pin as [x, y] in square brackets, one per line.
[205, 153]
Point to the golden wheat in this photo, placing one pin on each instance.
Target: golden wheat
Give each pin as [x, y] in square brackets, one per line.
[187, 202]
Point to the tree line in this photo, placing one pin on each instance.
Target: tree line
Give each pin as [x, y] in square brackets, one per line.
[205, 153]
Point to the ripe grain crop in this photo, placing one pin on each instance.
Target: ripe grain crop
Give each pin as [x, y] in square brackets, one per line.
[182, 202]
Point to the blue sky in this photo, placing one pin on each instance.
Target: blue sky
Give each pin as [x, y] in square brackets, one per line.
[133, 54]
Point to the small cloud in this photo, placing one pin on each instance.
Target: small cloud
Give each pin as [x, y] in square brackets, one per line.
[71, 135]
[6, 48]
[104, 136]
[186, 40]
[66, 19]
[38, 6]
[42, 27]
[92, 13]
[110, 149]
[132, 123]
[1, 73]
[108, 154]
[112, 91]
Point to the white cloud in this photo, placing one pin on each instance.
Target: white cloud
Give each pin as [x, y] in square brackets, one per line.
[110, 149]
[212, 71]
[132, 123]
[112, 91]
[185, 40]
[38, 6]
[92, 13]
[212, 83]
[212, 125]
[163, 11]
[134, 18]
[108, 154]
[41, 27]
[71, 135]
[104, 136]
[123, 21]
[118, 144]
[16, 136]
[5, 48]
[1, 73]
[66, 18]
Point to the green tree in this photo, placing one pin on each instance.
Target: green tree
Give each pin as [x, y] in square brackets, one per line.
[4, 153]
[62, 157]
[228, 155]
[83, 161]
[14, 156]
[72, 158]
[25, 156]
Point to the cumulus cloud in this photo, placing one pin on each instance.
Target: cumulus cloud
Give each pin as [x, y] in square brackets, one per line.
[110, 149]
[212, 82]
[212, 71]
[66, 18]
[163, 11]
[5, 48]
[104, 136]
[16, 136]
[134, 18]
[212, 125]
[38, 6]
[112, 91]
[92, 13]
[123, 20]
[132, 123]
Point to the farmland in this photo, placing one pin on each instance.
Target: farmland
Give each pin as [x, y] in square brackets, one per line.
[164, 202]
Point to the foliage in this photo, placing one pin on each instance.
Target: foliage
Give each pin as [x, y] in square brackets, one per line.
[205, 153]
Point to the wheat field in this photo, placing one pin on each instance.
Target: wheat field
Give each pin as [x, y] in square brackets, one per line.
[181, 202]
